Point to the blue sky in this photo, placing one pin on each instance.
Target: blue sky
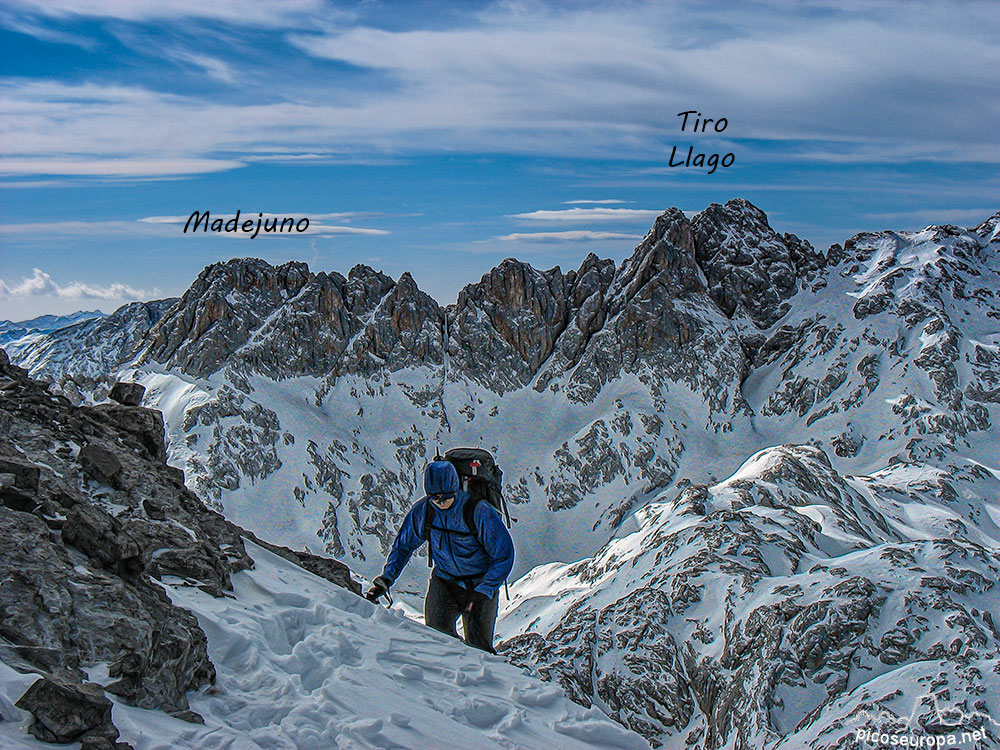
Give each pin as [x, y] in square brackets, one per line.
[441, 137]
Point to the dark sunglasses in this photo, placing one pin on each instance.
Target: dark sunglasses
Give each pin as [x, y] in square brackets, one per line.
[442, 498]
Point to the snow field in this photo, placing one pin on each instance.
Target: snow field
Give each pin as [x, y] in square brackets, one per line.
[307, 665]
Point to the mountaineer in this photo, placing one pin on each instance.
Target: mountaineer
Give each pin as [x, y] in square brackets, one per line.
[469, 547]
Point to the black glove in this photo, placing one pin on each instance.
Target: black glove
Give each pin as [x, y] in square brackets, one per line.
[379, 587]
[476, 599]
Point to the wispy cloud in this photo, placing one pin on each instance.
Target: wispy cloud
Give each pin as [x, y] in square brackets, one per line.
[27, 25]
[172, 226]
[961, 216]
[591, 215]
[123, 167]
[243, 12]
[95, 229]
[573, 80]
[211, 66]
[41, 284]
[772, 71]
[573, 235]
[605, 201]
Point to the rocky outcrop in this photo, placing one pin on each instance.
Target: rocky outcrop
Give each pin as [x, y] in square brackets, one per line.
[587, 311]
[220, 312]
[68, 712]
[127, 394]
[92, 517]
[402, 329]
[751, 270]
[662, 326]
[282, 322]
[503, 328]
[671, 303]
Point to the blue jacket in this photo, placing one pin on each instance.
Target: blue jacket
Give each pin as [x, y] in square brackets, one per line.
[456, 556]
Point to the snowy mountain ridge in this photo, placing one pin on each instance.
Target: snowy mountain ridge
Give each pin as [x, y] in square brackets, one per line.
[863, 383]
[10, 330]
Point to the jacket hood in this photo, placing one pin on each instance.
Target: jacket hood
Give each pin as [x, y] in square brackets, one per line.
[441, 478]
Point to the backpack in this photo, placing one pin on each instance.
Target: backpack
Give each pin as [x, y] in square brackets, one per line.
[480, 476]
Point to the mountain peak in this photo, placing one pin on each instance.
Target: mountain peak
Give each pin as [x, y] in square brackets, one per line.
[751, 270]
[989, 230]
[218, 313]
[363, 271]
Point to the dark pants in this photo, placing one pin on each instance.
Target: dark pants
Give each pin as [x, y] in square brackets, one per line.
[447, 600]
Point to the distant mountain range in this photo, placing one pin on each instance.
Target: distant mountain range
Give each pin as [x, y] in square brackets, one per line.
[756, 484]
[10, 330]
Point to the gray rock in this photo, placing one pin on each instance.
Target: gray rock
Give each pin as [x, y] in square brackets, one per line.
[196, 562]
[140, 429]
[100, 463]
[750, 268]
[25, 474]
[405, 328]
[218, 314]
[66, 712]
[16, 499]
[127, 394]
[101, 537]
[503, 328]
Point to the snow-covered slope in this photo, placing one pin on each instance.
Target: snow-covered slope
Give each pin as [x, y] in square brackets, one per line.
[303, 664]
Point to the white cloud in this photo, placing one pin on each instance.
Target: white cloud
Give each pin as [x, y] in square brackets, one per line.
[211, 66]
[83, 229]
[606, 201]
[40, 284]
[28, 183]
[573, 235]
[591, 214]
[771, 69]
[882, 82]
[29, 26]
[172, 226]
[252, 12]
[122, 167]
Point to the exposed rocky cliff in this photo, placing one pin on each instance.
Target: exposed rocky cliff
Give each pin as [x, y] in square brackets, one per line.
[285, 321]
